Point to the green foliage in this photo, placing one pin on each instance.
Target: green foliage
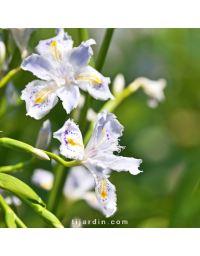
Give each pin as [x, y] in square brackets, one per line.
[18, 188]
[167, 138]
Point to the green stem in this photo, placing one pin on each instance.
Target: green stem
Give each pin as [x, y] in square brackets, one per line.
[59, 181]
[23, 147]
[10, 217]
[46, 215]
[104, 49]
[61, 161]
[7, 77]
[20, 223]
[11, 168]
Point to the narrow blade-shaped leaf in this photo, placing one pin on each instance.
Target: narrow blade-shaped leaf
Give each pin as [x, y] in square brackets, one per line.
[17, 187]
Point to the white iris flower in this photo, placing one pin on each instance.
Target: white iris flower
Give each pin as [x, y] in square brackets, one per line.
[98, 155]
[65, 69]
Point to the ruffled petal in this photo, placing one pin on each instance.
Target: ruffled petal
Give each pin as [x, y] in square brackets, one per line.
[106, 196]
[41, 67]
[119, 163]
[80, 56]
[71, 140]
[56, 48]
[70, 97]
[79, 180]
[106, 132]
[97, 85]
[40, 98]
[104, 189]
[43, 179]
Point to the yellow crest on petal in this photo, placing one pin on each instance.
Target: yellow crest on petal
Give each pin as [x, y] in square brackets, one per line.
[90, 78]
[55, 50]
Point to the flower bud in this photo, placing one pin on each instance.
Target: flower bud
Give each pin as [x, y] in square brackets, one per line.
[118, 84]
[44, 136]
[40, 154]
[2, 53]
[23, 147]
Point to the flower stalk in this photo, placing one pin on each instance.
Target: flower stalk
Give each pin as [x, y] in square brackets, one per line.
[23, 147]
[61, 161]
[59, 181]
[19, 166]
[7, 77]
[46, 215]
[104, 49]
[11, 218]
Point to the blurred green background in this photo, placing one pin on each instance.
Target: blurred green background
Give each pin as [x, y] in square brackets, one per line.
[167, 138]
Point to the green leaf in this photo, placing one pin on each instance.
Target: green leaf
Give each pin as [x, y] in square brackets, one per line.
[10, 219]
[17, 187]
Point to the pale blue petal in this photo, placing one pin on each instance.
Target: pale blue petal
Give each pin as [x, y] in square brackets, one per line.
[40, 98]
[104, 189]
[39, 66]
[91, 80]
[80, 56]
[119, 163]
[71, 141]
[59, 50]
[99, 134]
[70, 97]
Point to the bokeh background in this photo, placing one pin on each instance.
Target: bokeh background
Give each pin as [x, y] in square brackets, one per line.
[167, 138]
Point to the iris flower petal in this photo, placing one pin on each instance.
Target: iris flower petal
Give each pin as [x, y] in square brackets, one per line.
[70, 97]
[71, 140]
[40, 98]
[56, 48]
[80, 56]
[39, 66]
[89, 79]
[104, 189]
